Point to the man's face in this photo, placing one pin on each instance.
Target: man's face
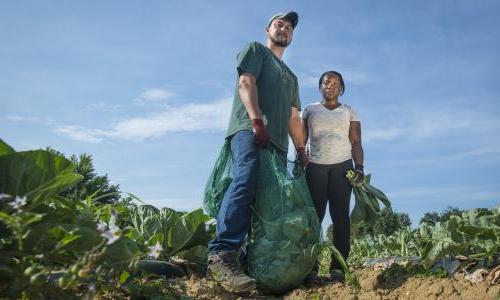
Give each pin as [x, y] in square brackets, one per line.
[280, 32]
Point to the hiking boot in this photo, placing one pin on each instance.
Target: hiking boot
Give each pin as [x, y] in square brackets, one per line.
[337, 275]
[223, 267]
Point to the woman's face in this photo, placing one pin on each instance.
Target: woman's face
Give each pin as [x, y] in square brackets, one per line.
[331, 86]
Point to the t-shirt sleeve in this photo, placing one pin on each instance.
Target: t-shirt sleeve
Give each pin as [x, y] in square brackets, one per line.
[354, 115]
[295, 95]
[250, 60]
[305, 112]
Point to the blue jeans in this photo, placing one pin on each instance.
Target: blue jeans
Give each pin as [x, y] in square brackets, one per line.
[233, 220]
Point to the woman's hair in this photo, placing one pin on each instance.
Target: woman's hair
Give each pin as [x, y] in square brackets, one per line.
[342, 90]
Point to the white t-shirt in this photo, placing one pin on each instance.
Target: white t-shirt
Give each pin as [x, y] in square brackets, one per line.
[329, 132]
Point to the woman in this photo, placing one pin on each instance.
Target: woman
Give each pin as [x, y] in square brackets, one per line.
[334, 133]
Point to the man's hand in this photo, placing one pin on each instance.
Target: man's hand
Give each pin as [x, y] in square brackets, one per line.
[301, 156]
[360, 175]
[261, 136]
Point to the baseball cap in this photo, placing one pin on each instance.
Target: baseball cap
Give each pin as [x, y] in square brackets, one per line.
[291, 16]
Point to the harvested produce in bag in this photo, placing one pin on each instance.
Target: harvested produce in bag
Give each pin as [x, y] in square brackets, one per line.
[283, 244]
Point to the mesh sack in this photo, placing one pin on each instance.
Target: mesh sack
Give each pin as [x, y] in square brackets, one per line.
[284, 240]
[218, 181]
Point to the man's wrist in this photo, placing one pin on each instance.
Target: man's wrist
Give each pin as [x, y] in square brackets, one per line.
[359, 167]
[257, 122]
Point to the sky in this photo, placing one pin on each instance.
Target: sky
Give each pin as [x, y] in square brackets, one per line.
[146, 88]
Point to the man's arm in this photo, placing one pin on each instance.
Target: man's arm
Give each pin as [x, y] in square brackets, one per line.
[247, 87]
[295, 129]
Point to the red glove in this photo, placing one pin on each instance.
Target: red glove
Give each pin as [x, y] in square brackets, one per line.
[261, 136]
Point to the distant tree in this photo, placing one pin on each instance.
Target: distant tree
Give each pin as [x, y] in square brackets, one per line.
[389, 222]
[432, 218]
[451, 211]
[91, 184]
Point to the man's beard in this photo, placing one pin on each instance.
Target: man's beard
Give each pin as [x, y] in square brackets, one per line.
[279, 43]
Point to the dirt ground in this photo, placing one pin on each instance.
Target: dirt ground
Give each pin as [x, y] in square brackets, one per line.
[373, 286]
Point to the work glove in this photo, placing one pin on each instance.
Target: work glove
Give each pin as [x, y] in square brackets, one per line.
[360, 175]
[260, 134]
[301, 156]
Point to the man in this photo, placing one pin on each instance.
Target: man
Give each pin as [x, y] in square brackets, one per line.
[265, 110]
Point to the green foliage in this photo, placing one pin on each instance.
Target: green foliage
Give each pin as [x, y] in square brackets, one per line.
[326, 251]
[404, 242]
[432, 218]
[5, 149]
[475, 233]
[38, 175]
[390, 222]
[51, 245]
[366, 208]
[387, 223]
[91, 184]
[175, 231]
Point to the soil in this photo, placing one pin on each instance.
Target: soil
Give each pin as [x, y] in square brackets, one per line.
[373, 286]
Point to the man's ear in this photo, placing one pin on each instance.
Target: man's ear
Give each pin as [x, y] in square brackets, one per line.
[267, 29]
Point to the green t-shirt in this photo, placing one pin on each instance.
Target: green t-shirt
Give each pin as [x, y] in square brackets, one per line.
[277, 88]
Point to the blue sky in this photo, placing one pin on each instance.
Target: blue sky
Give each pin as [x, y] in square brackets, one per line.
[146, 87]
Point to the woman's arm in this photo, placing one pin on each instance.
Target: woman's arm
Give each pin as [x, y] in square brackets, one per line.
[305, 131]
[355, 138]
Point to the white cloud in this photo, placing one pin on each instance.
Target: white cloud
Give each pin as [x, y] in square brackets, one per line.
[80, 134]
[181, 118]
[154, 95]
[414, 122]
[18, 118]
[100, 106]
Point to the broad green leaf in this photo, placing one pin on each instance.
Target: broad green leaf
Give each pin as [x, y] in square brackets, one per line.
[189, 231]
[5, 148]
[119, 254]
[37, 174]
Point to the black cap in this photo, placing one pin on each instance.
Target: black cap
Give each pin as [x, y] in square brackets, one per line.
[291, 16]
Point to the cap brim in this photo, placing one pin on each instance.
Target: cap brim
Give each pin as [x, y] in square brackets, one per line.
[291, 16]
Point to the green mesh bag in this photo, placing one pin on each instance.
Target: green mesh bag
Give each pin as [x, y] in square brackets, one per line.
[284, 241]
[218, 181]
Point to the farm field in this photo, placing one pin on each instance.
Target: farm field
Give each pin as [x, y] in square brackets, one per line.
[63, 238]
[405, 287]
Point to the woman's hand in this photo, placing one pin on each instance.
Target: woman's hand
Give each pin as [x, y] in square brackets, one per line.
[301, 156]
